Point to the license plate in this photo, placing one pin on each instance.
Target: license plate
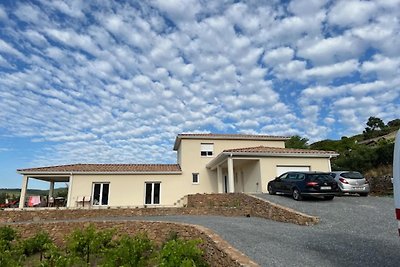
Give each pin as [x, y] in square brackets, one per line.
[359, 188]
[325, 187]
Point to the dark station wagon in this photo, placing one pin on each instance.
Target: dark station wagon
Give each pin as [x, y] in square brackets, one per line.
[299, 184]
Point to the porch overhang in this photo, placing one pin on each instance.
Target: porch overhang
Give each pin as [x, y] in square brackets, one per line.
[222, 157]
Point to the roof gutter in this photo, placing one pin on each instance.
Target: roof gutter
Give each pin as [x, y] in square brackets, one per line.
[222, 156]
[93, 173]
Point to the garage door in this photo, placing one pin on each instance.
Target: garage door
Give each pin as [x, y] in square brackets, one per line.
[282, 169]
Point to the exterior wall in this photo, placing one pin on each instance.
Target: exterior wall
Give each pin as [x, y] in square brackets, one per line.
[129, 190]
[252, 174]
[268, 166]
[192, 162]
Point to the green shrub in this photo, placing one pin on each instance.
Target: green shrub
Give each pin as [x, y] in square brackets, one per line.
[84, 243]
[9, 256]
[181, 253]
[52, 257]
[7, 234]
[36, 244]
[130, 251]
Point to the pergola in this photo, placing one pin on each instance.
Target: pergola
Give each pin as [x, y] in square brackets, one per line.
[52, 178]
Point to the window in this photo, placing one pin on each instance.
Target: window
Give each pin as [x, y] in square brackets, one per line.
[100, 193]
[206, 150]
[195, 178]
[152, 194]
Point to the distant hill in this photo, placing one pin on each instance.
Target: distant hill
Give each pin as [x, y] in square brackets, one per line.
[367, 152]
[30, 192]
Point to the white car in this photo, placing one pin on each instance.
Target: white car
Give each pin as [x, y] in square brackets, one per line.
[351, 182]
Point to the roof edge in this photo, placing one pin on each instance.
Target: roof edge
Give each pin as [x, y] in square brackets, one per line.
[179, 137]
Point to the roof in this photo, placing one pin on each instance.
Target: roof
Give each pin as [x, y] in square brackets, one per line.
[264, 149]
[105, 168]
[213, 136]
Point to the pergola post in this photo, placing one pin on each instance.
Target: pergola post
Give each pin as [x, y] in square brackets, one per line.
[231, 182]
[23, 191]
[219, 179]
[51, 190]
[69, 200]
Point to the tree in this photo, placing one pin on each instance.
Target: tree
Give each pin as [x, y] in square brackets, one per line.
[394, 123]
[375, 127]
[375, 123]
[296, 142]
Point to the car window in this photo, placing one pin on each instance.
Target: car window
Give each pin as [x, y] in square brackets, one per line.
[320, 178]
[283, 176]
[352, 175]
[292, 176]
[301, 176]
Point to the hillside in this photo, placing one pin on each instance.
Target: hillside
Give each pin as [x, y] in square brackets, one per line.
[370, 152]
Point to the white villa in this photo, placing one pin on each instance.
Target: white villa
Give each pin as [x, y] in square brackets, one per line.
[206, 163]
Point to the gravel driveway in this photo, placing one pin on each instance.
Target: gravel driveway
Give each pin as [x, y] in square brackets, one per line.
[354, 231]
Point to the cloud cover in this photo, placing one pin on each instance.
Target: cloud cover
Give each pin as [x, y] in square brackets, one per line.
[99, 81]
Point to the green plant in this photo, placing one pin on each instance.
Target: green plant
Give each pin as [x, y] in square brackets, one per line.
[9, 255]
[36, 244]
[83, 243]
[130, 251]
[7, 233]
[181, 253]
[52, 257]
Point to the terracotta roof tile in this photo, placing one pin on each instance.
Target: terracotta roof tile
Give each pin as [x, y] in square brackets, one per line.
[107, 168]
[264, 149]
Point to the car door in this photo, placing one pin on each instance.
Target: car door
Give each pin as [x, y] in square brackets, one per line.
[279, 183]
[289, 182]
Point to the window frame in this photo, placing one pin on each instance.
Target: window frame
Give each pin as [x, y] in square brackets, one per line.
[152, 195]
[197, 176]
[205, 147]
[101, 193]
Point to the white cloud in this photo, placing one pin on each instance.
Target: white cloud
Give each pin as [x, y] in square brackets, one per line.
[306, 7]
[332, 71]
[111, 82]
[178, 10]
[278, 56]
[329, 50]
[351, 13]
[3, 14]
[384, 67]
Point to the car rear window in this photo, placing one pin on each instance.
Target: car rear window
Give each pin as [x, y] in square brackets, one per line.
[320, 177]
[352, 175]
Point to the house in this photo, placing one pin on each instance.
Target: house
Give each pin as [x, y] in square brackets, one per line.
[206, 163]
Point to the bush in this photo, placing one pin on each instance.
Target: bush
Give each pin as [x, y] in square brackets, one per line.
[178, 252]
[130, 251]
[36, 244]
[83, 243]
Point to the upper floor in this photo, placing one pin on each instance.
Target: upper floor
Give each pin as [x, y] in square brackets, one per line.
[199, 149]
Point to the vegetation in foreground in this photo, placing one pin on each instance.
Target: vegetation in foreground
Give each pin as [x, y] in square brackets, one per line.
[91, 247]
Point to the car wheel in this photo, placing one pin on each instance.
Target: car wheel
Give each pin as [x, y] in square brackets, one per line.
[271, 190]
[363, 194]
[296, 194]
[329, 197]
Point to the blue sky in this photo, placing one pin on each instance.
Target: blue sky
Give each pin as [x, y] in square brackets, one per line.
[115, 81]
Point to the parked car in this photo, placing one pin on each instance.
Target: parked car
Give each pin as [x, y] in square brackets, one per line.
[299, 184]
[351, 182]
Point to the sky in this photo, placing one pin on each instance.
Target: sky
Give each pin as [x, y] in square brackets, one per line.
[116, 81]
